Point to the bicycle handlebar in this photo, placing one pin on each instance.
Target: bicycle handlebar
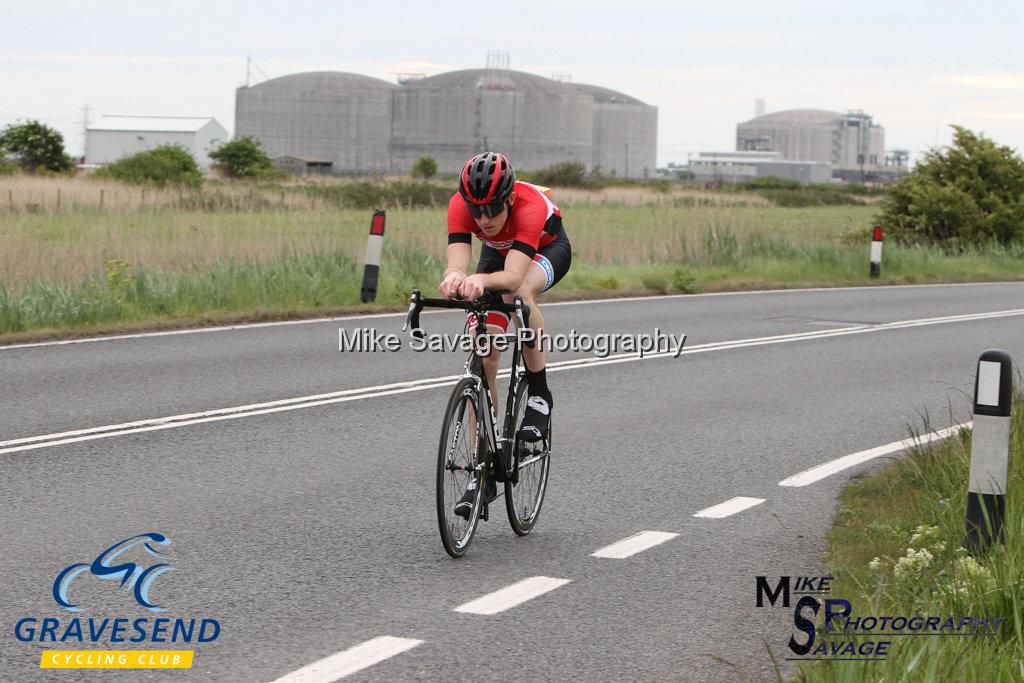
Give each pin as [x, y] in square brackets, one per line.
[488, 302]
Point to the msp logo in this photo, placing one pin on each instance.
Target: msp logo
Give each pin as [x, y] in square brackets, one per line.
[134, 564]
[846, 638]
[137, 578]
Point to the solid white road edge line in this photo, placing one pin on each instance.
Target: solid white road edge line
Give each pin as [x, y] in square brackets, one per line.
[729, 507]
[42, 441]
[354, 659]
[510, 596]
[831, 467]
[634, 544]
[309, 321]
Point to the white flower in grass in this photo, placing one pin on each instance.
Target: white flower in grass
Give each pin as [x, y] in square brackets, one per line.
[956, 589]
[924, 533]
[911, 564]
[971, 572]
[875, 564]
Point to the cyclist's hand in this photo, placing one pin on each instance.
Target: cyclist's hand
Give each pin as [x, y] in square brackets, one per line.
[450, 285]
[472, 287]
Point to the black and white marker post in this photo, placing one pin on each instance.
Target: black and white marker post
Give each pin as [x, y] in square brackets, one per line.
[990, 450]
[373, 248]
[876, 251]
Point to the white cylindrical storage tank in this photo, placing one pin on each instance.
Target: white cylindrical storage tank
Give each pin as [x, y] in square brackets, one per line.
[533, 120]
[331, 116]
[625, 133]
[798, 134]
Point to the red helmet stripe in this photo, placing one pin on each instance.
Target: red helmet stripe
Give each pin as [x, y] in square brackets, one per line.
[495, 177]
[465, 178]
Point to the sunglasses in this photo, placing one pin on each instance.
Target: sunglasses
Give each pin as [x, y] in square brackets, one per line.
[490, 210]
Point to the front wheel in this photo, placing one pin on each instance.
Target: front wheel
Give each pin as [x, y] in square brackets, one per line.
[458, 464]
[524, 497]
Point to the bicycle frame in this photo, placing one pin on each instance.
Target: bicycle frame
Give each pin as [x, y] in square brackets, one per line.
[498, 443]
[501, 445]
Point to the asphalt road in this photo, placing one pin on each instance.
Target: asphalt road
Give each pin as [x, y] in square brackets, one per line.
[307, 527]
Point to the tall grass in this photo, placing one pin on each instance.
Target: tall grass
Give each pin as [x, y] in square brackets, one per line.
[288, 285]
[67, 247]
[895, 549]
[240, 250]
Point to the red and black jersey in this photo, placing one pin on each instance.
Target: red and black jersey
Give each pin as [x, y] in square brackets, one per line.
[533, 222]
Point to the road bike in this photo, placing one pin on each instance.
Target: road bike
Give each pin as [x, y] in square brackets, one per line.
[472, 447]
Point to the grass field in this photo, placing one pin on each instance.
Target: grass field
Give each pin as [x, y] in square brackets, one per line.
[108, 256]
[895, 549]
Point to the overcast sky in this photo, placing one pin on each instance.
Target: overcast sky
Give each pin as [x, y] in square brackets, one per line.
[916, 66]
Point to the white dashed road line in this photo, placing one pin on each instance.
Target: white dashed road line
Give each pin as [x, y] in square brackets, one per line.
[634, 544]
[354, 659]
[513, 595]
[729, 507]
[839, 464]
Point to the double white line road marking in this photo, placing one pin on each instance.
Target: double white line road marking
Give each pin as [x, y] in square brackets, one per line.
[172, 421]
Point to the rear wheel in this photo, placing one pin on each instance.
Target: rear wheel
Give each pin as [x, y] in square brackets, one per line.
[458, 464]
[524, 498]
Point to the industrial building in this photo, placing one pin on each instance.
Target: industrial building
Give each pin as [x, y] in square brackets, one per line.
[330, 116]
[624, 137]
[361, 124]
[852, 142]
[737, 167]
[113, 137]
[450, 117]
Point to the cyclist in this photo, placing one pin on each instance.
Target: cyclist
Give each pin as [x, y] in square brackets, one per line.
[525, 251]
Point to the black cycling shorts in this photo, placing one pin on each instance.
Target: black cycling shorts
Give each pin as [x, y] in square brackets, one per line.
[554, 258]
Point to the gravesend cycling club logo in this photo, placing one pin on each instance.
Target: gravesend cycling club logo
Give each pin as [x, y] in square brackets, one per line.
[135, 577]
[131, 566]
[847, 637]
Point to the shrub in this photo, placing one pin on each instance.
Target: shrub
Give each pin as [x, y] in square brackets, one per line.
[245, 158]
[771, 183]
[810, 196]
[7, 167]
[684, 281]
[36, 147]
[378, 195]
[564, 174]
[424, 167]
[660, 185]
[160, 166]
[969, 193]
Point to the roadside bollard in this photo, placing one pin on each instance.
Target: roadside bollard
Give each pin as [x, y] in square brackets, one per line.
[990, 450]
[373, 248]
[876, 251]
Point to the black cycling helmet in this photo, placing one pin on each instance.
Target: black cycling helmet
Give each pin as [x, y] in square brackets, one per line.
[487, 179]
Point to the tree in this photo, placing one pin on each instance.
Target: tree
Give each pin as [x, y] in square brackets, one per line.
[36, 147]
[424, 167]
[969, 193]
[243, 158]
[160, 166]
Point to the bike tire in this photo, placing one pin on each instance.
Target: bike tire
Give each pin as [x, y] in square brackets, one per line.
[524, 499]
[460, 422]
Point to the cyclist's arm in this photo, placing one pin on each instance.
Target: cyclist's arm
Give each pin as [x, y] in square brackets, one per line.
[516, 265]
[459, 257]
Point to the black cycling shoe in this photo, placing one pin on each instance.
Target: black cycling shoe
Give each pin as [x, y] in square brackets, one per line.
[535, 421]
[465, 504]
